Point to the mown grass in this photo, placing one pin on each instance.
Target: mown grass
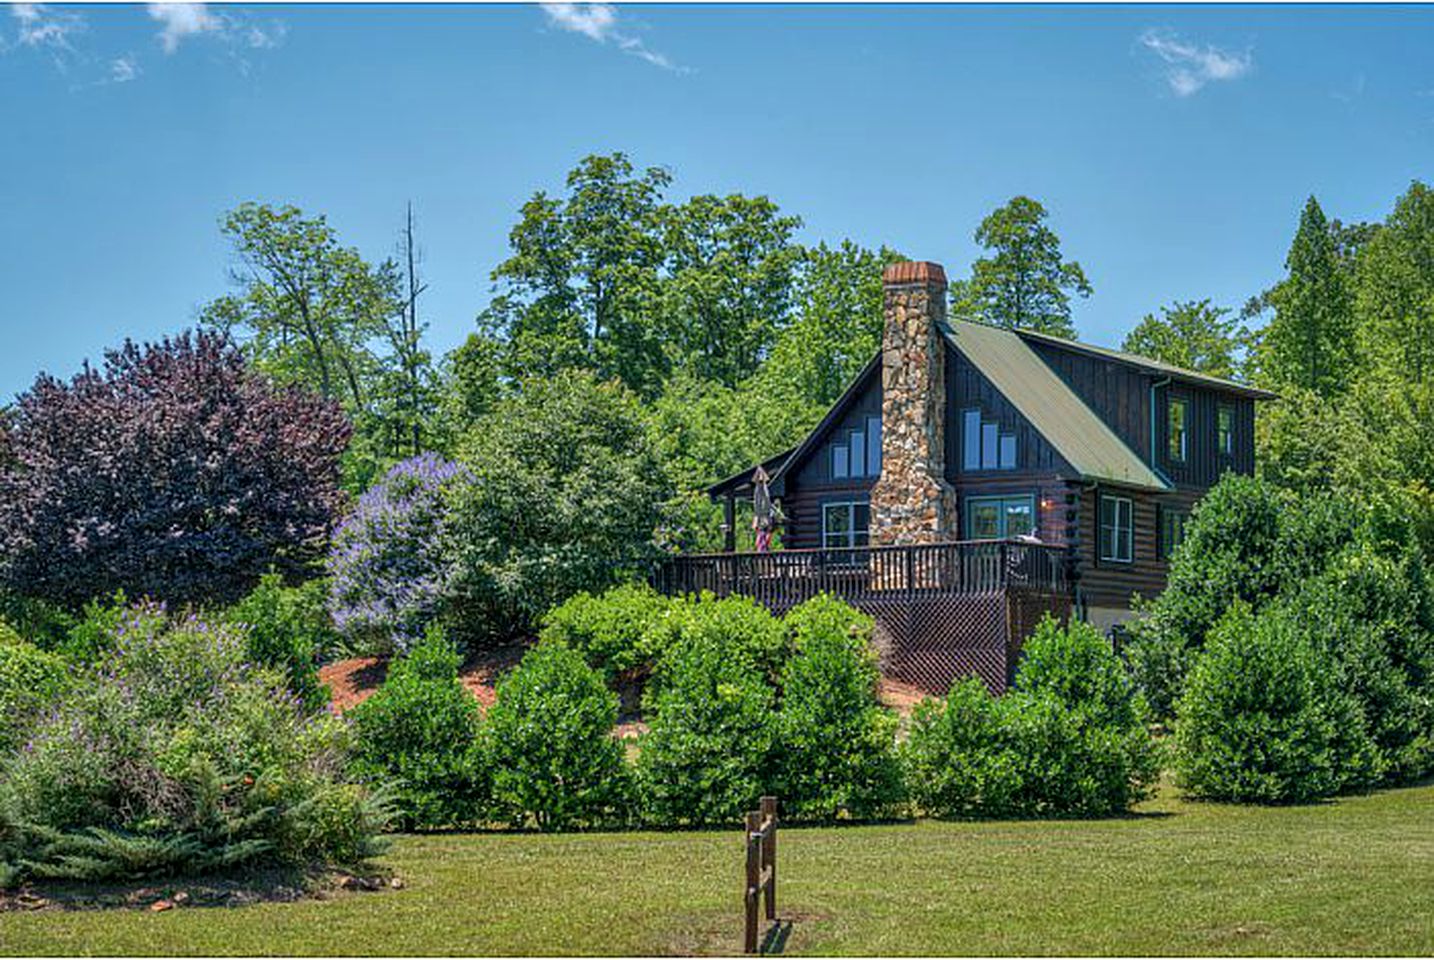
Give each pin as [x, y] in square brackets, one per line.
[1351, 877]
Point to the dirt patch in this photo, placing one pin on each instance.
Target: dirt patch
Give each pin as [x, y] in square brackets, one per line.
[900, 696]
[264, 886]
[353, 681]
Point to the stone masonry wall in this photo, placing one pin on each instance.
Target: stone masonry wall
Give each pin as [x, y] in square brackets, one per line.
[911, 501]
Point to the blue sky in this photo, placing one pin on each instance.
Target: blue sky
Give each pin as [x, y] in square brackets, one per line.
[1172, 145]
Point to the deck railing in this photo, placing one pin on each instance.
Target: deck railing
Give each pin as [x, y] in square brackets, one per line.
[783, 578]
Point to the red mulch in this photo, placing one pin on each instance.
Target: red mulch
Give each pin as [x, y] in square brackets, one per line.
[353, 681]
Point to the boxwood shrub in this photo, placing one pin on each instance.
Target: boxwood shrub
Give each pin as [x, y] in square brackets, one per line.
[1266, 716]
[836, 743]
[1069, 740]
[620, 632]
[419, 733]
[550, 741]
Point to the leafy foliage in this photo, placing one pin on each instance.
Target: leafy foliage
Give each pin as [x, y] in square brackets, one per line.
[1024, 283]
[837, 743]
[1190, 334]
[1264, 717]
[31, 680]
[551, 746]
[391, 568]
[420, 734]
[286, 628]
[172, 754]
[560, 496]
[617, 632]
[221, 475]
[707, 756]
[1069, 740]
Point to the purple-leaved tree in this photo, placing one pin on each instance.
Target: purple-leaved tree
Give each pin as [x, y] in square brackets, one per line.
[174, 472]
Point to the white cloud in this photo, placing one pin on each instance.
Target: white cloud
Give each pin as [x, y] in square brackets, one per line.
[182, 20]
[123, 69]
[42, 27]
[599, 22]
[1189, 66]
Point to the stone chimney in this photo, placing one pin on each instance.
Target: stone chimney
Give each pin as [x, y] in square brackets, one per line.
[911, 501]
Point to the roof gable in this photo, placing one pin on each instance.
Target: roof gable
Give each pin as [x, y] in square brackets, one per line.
[1086, 442]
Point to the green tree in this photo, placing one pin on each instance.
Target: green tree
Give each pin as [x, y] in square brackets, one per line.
[1024, 283]
[581, 287]
[309, 310]
[727, 291]
[1192, 334]
[1395, 289]
[1310, 340]
[561, 495]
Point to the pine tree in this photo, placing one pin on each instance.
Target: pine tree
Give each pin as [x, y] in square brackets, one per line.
[1310, 341]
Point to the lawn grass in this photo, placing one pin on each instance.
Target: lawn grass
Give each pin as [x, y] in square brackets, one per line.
[1351, 877]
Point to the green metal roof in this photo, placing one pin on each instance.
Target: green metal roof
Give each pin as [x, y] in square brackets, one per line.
[1134, 359]
[1053, 408]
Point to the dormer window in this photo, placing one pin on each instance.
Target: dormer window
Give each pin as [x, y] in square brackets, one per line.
[983, 445]
[1177, 434]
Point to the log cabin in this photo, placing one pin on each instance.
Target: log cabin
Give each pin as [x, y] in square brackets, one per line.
[972, 478]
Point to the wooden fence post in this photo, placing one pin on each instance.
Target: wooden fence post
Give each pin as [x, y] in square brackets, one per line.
[769, 852]
[754, 880]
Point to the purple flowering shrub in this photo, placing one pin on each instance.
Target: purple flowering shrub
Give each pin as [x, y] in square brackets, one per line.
[175, 754]
[389, 570]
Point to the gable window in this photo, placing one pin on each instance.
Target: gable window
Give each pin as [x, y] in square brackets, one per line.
[1117, 529]
[1225, 431]
[1170, 531]
[983, 445]
[845, 524]
[1177, 434]
[1000, 518]
[857, 452]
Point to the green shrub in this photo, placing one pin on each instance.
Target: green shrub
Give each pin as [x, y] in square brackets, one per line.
[1246, 541]
[30, 681]
[420, 734]
[174, 754]
[9, 636]
[38, 621]
[707, 756]
[740, 626]
[92, 634]
[551, 743]
[617, 632]
[956, 759]
[286, 627]
[1265, 717]
[1069, 740]
[1369, 613]
[836, 742]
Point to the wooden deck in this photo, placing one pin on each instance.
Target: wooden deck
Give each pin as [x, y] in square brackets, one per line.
[942, 610]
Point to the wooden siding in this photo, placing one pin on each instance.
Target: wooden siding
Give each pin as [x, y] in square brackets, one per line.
[1107, 583]
[810, 484]
[967, 388]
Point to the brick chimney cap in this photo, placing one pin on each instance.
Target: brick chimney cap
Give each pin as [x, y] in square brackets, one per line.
[914, 271]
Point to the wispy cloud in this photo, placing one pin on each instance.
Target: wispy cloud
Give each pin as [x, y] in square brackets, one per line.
[599, 22]
[123, 69]
[1189, 66]
[41, 27]
[181, 20]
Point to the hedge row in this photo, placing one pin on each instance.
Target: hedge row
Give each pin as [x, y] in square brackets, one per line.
[740, 704]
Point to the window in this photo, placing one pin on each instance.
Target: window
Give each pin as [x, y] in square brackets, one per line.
[857, 453]
[1179, 411]
[1117, 529]
[873, 445]
[984, 446]
[1225, 432]
[1170, 531]
[1000, 518]
[845, 524]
